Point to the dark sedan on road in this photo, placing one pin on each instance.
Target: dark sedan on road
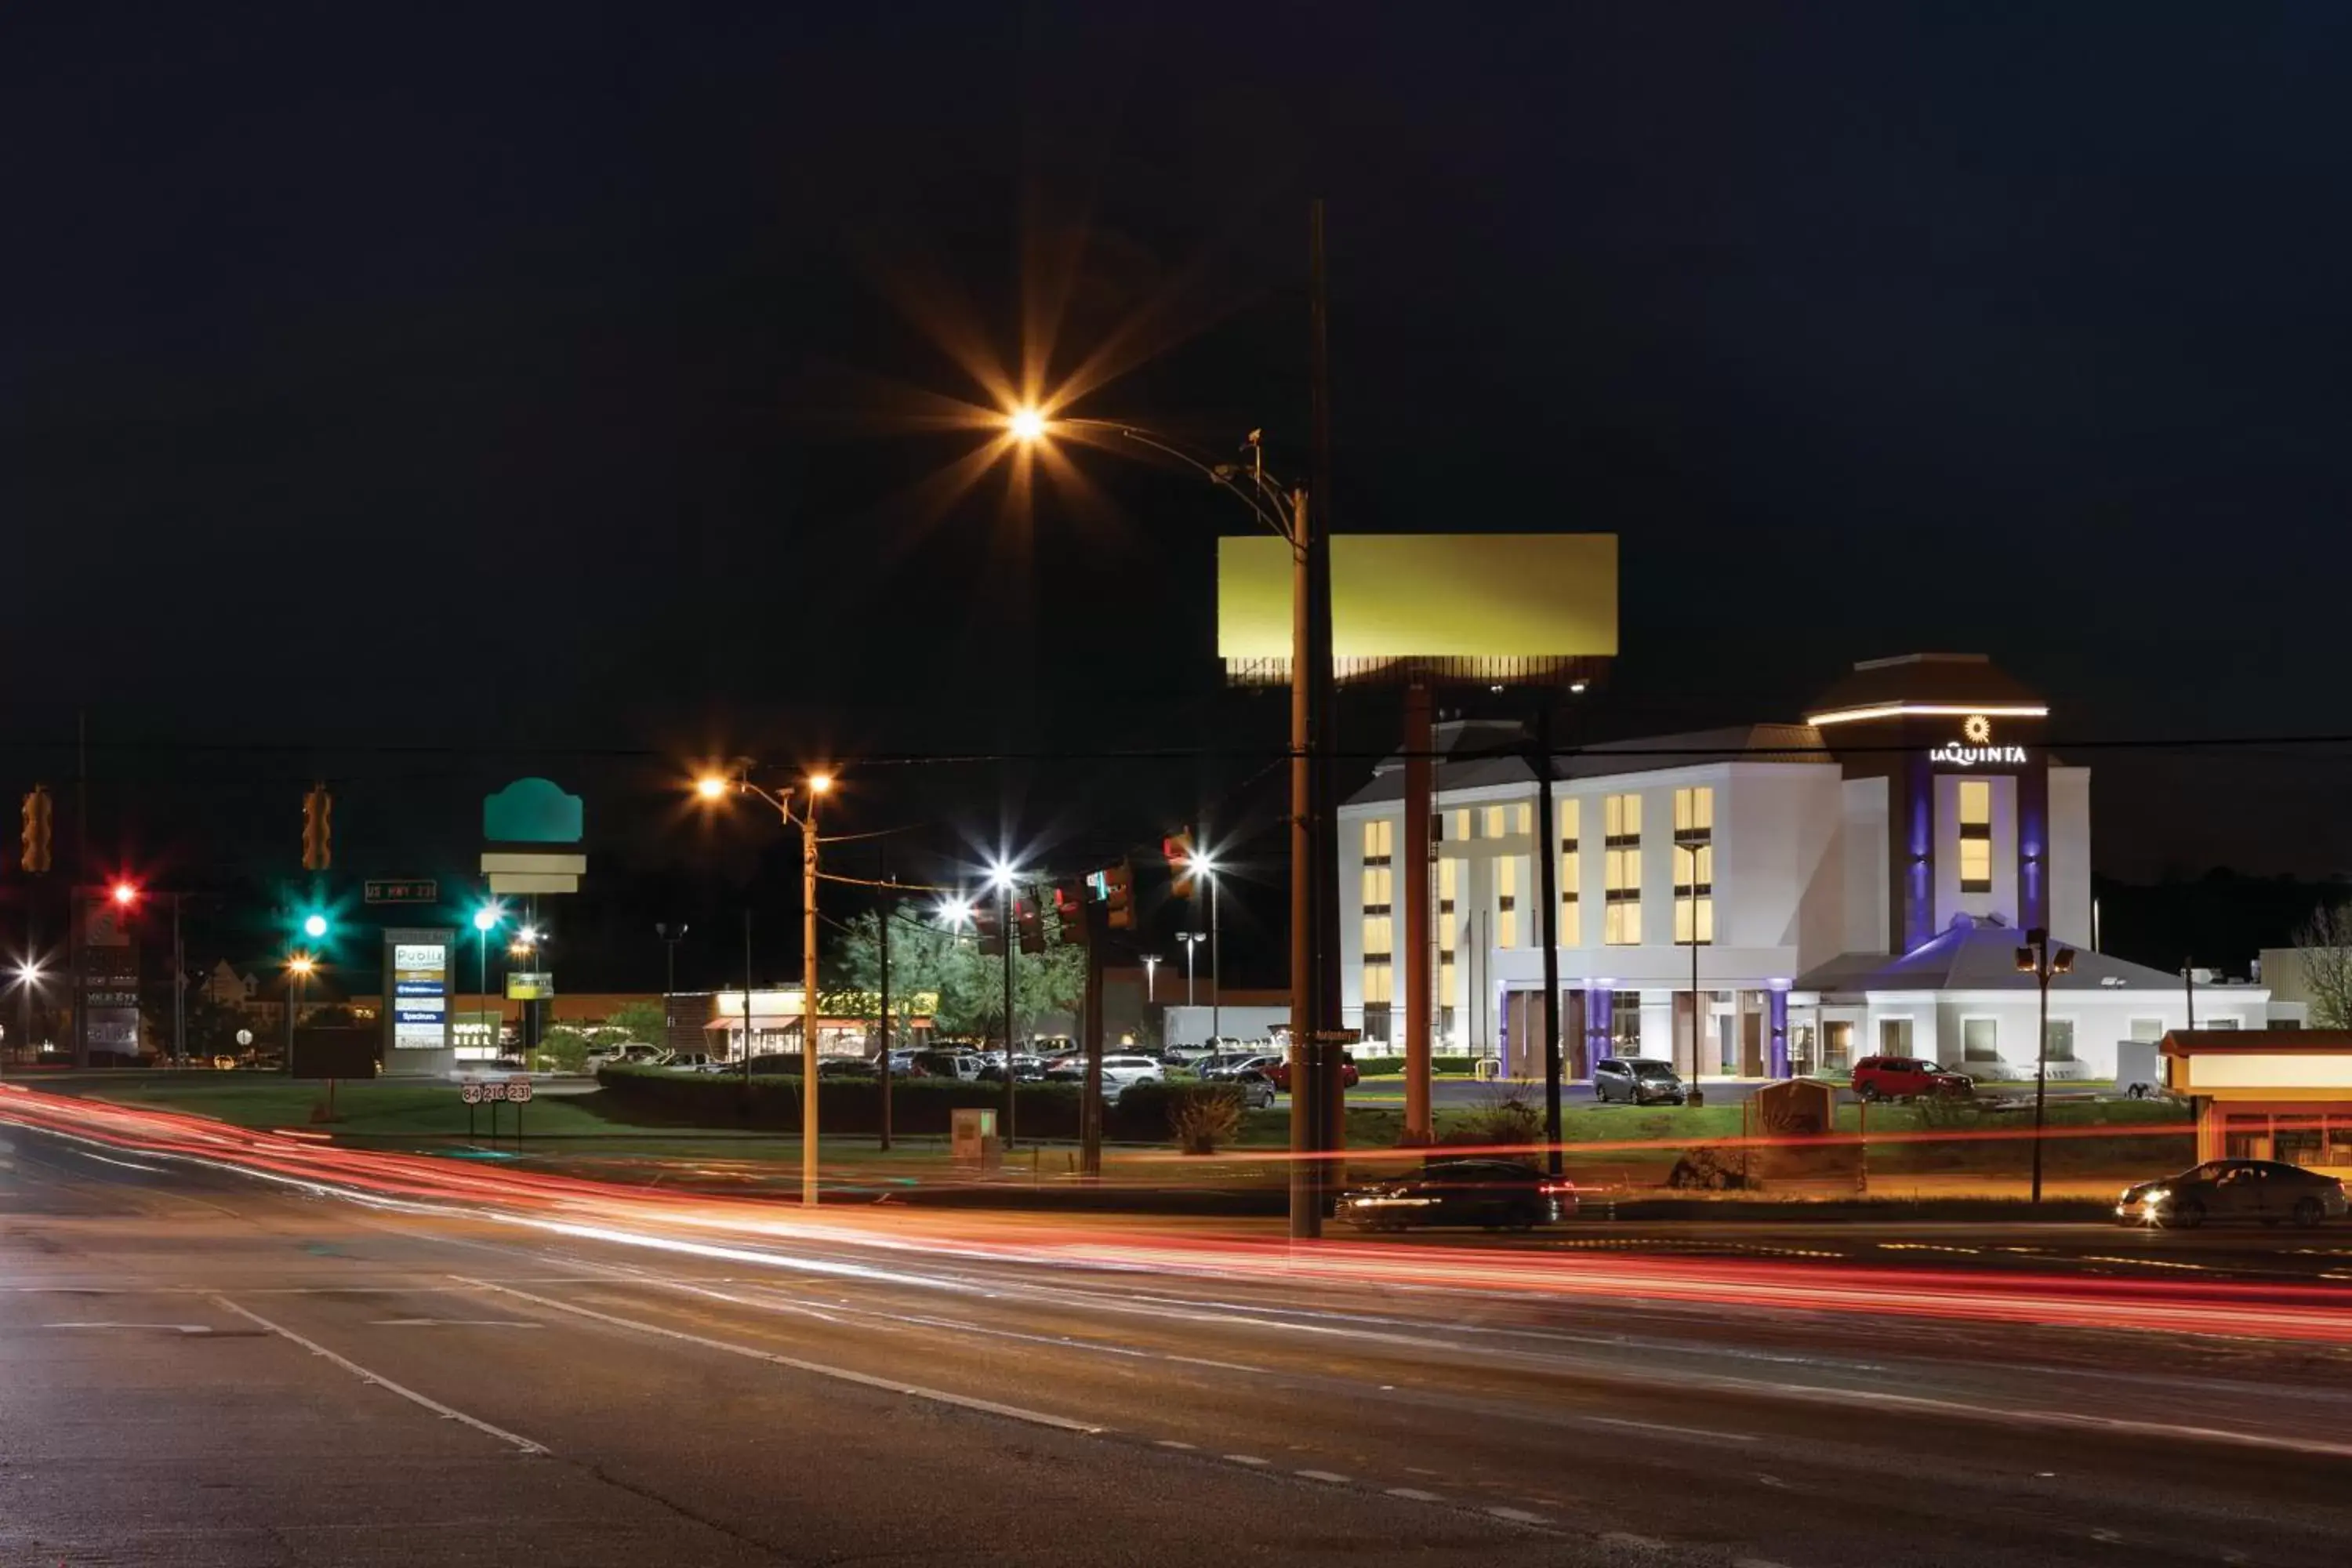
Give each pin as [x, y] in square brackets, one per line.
[1495, 1194]
[1634, 1081]
[2263, 1190]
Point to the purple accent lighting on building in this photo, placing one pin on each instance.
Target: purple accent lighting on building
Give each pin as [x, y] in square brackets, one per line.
[1919, 913]
[1779, 1065]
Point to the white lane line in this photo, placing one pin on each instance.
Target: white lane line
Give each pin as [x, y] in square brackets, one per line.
[1627, 1538]
[1330, 1476]
[126, 1164]
[1657, 1427]
[452, 1323]
[1245, 1459]
[521, 1443]
[172, 1328]
[1414, 1494]
[1521, 1516]
[839, 1373]
[1172, 1443]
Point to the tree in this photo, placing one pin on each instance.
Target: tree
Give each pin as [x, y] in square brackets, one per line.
[927, 957]
[2324, 946]
[641, 1021]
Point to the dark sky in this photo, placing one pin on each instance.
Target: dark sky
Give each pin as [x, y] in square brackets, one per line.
[421, 396]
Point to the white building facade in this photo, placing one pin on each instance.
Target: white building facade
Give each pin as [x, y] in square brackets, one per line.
[1852, 884]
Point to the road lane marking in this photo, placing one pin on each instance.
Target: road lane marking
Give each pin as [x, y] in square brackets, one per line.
[839, 1373]
[1330, 1476]
[172, 1328]
[1245, 1459]
[452, 1323]
[447, 1413]
[126, 1164]
[1521, 1516]
[1661, 1427]
[1627, 1538]
[1414, 1494]
[1172, 1443]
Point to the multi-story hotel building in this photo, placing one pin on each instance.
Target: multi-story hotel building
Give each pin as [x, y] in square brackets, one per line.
[1854, 884]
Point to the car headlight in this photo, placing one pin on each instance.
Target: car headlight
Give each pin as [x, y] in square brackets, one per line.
[2156, 1195]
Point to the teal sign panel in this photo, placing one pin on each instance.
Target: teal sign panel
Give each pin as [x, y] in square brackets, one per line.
[531, 811]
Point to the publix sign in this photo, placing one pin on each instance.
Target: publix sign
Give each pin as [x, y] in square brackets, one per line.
[1975, 748]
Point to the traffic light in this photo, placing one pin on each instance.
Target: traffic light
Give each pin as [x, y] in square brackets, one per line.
[1031, 922]
[987, 925]
[318, 829]
[314, 926]
[36, 849]
[1070, 908]
[125, 894]
[1116, 886]
[1178, 847]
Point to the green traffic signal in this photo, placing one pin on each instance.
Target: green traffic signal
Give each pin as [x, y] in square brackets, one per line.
[314, 925]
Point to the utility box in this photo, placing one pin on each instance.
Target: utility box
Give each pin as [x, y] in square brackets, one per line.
[2139, 1068]
[974, 1141]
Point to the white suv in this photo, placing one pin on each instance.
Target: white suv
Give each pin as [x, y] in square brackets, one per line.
[1119, 1073]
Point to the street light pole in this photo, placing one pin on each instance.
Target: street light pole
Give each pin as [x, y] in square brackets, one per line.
[808, 993]
[1012, 941]
[2037, 958]
[670, 978]
[1216, 969]
[1151, 961]
[179, 991]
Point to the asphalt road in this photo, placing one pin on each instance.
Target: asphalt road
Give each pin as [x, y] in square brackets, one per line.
[365, 1360]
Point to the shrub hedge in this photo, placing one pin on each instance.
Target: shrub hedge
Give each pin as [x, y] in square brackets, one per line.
[1440, 1066]
[1143, 1114]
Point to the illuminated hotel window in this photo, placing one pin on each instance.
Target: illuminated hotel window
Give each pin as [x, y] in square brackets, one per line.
[1695, 865]
[1380, 840]
[1620, 821]
[1462, 823]
[1976, 836]
[1378, 985]
[1496, 819]
[1526, 819]
[1380, 938]
[1378, 883]
[1506, 902]
[1571, 932]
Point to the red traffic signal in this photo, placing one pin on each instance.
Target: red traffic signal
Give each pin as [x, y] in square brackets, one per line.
[988, 927]
[1070, 908]
[124, 893]
[1178, 847]
[1031, 922]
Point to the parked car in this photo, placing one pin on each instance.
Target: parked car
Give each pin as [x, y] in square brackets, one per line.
[1257, 1089]
[1635, 1080]
[845, 1067]
[2264, 1190]
[695, 1061]
[770, 1062]
[1908, 1077]
[1495, 1194]
[1121, 1073]
[629, 1052]
[1026, 1068]
[1225, 1066]
[1280, 1073]
[944, 1064]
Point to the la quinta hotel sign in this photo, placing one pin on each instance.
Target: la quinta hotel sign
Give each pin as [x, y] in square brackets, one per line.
[1976, 747]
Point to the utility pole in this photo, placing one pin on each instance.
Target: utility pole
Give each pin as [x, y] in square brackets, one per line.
[669, 980]
[1321, 710]
[1012, 941]
[882, 933]
[808, 1000]
[1090, 1098]
[747, 1004]
[1547, 924]
[179, 991]
[1306, 1190]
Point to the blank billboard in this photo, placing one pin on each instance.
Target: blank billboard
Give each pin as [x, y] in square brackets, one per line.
[1483, 600]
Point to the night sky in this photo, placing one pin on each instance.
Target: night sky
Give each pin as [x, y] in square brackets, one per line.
[416, 398]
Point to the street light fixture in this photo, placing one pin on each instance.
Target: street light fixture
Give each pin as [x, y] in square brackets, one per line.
[818, 785]
[486, 921]
[299, 966]
[1314, 1125]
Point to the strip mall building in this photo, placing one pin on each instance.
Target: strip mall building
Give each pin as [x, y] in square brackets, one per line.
[1852, 884]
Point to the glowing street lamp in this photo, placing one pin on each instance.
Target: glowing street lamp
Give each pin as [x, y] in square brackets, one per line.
[818, 785]
[1027, 424]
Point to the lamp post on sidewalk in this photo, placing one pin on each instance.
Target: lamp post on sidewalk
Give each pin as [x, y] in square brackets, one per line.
[713, 787]
[2040, 959]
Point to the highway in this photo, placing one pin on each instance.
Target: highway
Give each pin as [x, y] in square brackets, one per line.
[226, 1348]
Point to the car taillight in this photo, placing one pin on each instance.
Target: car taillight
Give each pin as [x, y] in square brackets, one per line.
[1553, 1189]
